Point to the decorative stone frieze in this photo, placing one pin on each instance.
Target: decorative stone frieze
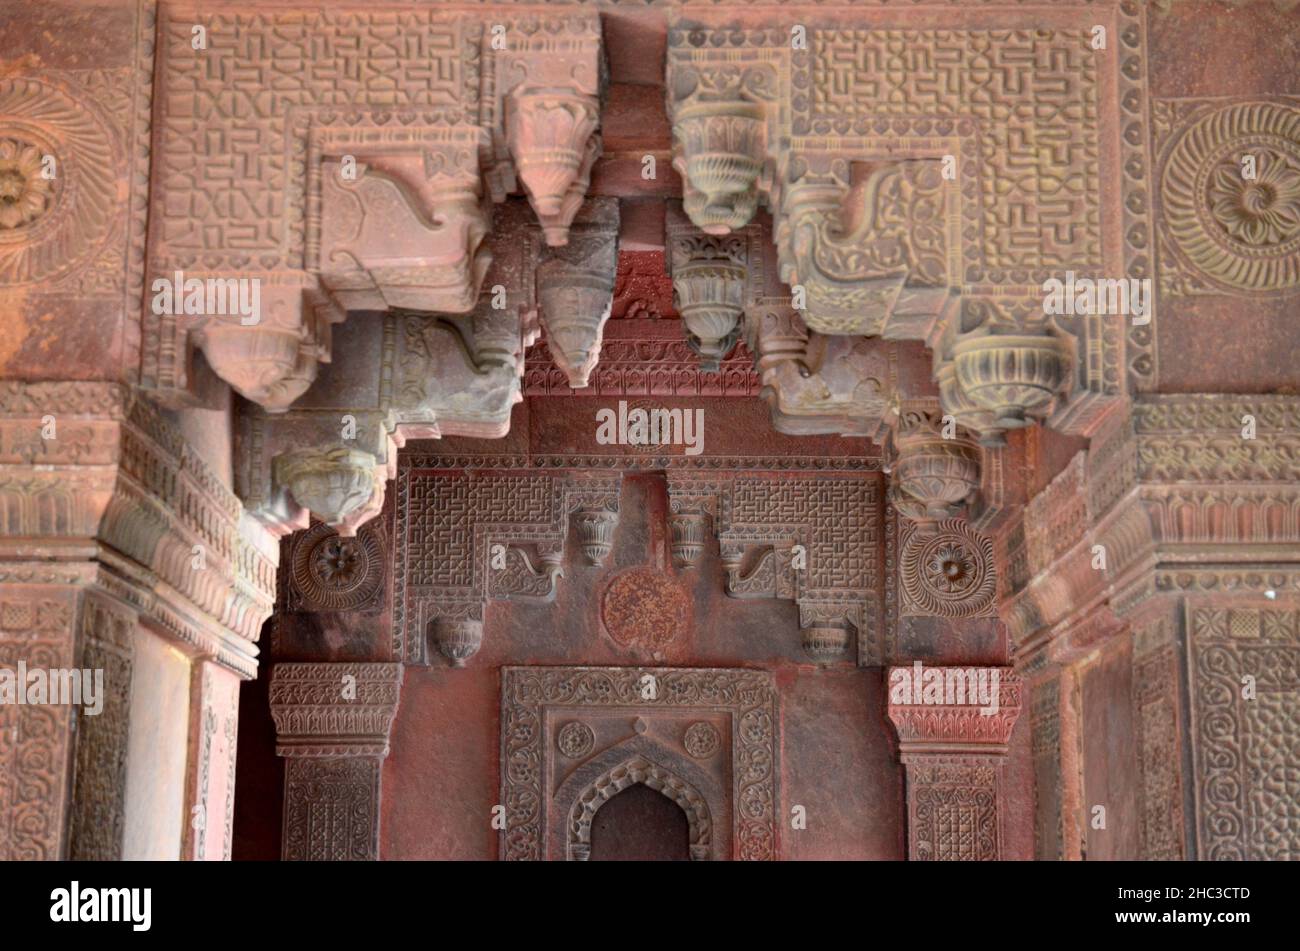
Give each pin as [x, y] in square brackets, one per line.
[332, 725]
[809, 540]
[891, 213]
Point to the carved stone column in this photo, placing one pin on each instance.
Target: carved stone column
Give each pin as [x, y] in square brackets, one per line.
[332, 724]
[953, 727]
[112, 519]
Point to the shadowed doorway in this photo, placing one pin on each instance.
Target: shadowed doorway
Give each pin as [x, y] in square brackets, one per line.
[640, 824]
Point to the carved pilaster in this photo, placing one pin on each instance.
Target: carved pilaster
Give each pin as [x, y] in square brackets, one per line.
[953, 727]
[99, 783]
[332, 725]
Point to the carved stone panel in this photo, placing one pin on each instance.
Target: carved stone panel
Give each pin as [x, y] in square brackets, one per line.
[1243, 740]
[572, 737]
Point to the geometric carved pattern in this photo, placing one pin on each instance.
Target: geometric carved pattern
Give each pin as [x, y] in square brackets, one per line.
[99, 790]
[949, 573]
[1247, 775]
[835, 517]
[332, 723]
[953, 753]
[331, 809]
[953, 809]
[532, 697]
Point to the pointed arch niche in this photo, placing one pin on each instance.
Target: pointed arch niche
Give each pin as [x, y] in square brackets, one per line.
[572, 738]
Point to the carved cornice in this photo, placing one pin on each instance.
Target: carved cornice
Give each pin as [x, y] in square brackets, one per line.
[334, 709]
[1175, 484]
[116, 473]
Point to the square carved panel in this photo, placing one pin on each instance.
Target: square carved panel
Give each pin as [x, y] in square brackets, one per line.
[574, 737]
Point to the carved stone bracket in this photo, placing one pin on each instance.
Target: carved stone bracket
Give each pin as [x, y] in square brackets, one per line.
[887, 218]
[808, 541]
[953, 726]
[372, 197]
[936, 468]
[575, 287]
[332, 725]
[486, 537]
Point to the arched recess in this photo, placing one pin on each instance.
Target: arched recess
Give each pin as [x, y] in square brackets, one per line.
[613, 781]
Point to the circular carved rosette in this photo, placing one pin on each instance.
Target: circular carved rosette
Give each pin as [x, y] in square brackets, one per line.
[332, 573]
[701, 740]
[644, 609]
[1232, 196]
[575, 740]
[948, 573]
[59, 198]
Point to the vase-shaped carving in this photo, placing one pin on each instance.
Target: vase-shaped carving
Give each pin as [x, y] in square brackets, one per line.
[339, 486]
[575, 304]
[457, 639]
[938, 473]
[268, 366]
[1012, 376]
[688, 531]
[965, 410]
[548, 132]
[710, 296]
[595, 534]
[721, 158]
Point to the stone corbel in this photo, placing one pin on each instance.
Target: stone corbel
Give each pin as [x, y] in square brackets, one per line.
[719, 142]
[870, 258]
[342, 487]
[935, 470]
[405, 229]
[689, 530]
[762, 572]
[552, 78]
[271, 356]
[575, 287]
[1007, 369]
[332, 724]
[709, 291]
[595, 527]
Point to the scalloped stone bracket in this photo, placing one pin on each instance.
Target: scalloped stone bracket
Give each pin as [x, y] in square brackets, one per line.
[953, 725]
[332, 724]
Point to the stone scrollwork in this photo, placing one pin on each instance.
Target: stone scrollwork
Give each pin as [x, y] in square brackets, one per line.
[405, 230]
[853, 252]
